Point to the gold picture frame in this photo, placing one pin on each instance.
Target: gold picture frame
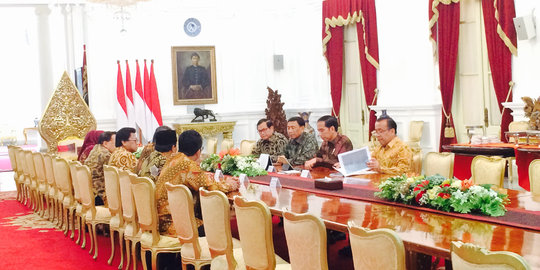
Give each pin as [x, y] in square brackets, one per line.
[194, 80]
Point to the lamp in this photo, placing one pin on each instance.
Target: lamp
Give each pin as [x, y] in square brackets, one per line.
[122, 14]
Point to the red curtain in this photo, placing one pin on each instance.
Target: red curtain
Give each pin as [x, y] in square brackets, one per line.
[447, 50]
[501, 44]
[368, 45]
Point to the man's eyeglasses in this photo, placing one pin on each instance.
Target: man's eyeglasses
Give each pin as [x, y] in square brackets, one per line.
[380, 131]
[262, 130]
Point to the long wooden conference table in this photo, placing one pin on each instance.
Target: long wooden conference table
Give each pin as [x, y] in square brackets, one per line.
[422, 230]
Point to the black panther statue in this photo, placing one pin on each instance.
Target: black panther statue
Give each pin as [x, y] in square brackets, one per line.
[203, 114]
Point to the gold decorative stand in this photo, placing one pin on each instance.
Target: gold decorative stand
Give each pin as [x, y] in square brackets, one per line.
[210, 131]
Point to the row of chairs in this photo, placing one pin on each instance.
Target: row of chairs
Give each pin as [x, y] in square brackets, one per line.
[62, 190]
[484, 169]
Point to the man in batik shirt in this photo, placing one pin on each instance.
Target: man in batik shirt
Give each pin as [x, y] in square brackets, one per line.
[184, 169]
[271, 143]
[100, 155]
[165, 147]
[392, 156]
[333, 144]
[126, 144]
[302, 146]
[149, 148]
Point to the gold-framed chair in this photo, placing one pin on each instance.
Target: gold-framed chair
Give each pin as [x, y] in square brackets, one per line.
[42, 186]
[211, 146]
[306, 241]
[77, 213]
[114, 203]
[466, 256]
[21, 166]
[215, 210]
[194, 248]
[439, 163]
[376, 249]
[488, 170]
[62, 176]
[255, 231]
[132, 234]
[91, 214]
[227, 144]
[146, 205]
[12, 152]
[31, 180]
[51, 198]
[534, 176]
[246, 147]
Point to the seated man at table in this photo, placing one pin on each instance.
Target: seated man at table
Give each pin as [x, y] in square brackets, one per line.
[392, 156]
[149, 148]
[126, 144]
[164, 149]
[100, 155]
[333, 144]
[184, 169]
[302, 146]
[271, 143]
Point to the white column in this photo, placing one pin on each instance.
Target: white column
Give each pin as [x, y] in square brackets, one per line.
[68, 33]
[44, 54]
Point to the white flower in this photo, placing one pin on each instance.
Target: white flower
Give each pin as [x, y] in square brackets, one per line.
[456, 184]
[433, 192]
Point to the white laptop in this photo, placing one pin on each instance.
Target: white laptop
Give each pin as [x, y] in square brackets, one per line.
[354, 162]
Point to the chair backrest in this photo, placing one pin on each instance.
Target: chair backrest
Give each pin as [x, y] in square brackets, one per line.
[73, 171]
[376, 249]
[112, 190]
[211, 146]
[488, 170]
[129, 212]
[39, 167]
[246, 147]
[62, 176]
[21, 162]
[227, 144]
[49, 171]
[466, 256]
[306, 241]
[518, 126]
[415, 130]
[534, 176]
[217, 227]
[84, 177]
[13, 157]
[255, 231]
[183, 216]
[439, 163]
[30, 167]
[145, 203]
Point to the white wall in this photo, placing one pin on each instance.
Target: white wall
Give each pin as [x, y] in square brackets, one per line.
[526, 65]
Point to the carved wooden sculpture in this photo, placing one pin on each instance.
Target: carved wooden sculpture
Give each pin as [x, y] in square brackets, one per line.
[274, 111]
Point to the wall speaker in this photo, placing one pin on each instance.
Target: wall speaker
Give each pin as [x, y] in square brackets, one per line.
[278, 61]
[525, 27]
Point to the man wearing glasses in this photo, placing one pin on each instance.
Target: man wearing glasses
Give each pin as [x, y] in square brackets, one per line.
[271, 143]
[392, 156]
[126, 144]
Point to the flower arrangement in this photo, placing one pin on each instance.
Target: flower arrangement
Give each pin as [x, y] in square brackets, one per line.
[229, 162]
[444, 194]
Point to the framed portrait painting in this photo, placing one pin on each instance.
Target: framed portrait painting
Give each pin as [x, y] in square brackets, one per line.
[194, 75]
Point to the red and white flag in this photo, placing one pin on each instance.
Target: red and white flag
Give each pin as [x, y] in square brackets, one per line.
[139, 104]
[121, 108]
[129, 99]
[155, 108]
[149, 132]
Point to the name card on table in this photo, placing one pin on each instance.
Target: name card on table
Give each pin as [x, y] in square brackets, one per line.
[306, 174]
[244, 180]
[271, 169]
[274, 183]
[218, 176]
[264, 161]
